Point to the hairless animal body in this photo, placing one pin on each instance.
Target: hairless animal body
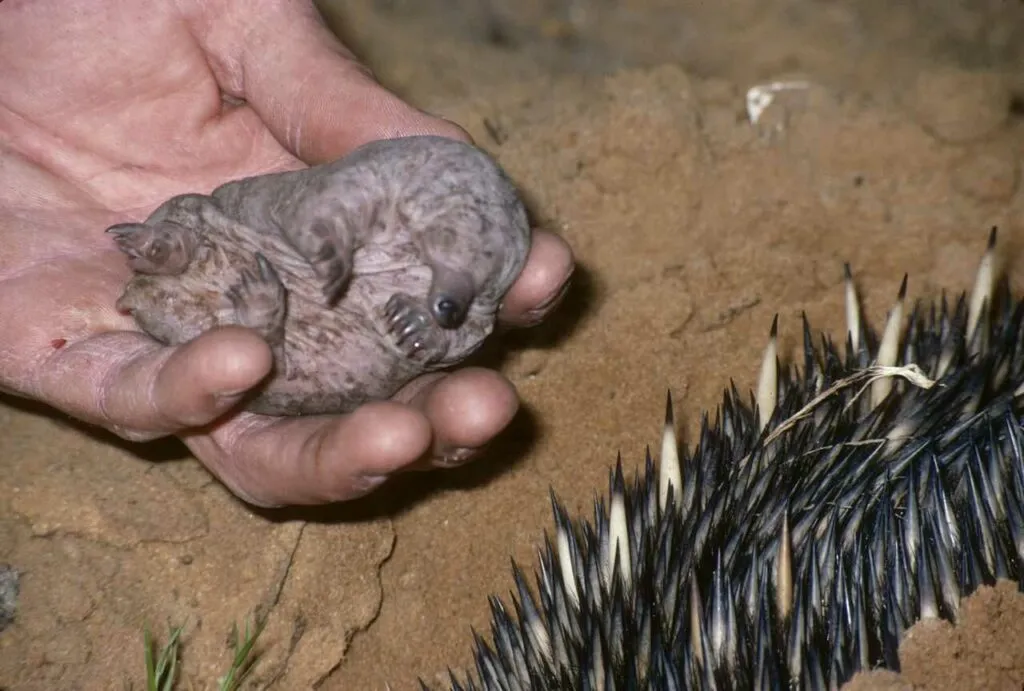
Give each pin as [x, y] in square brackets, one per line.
[361, 274]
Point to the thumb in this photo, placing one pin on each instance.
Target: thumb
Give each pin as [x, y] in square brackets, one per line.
[140, 390]
[311, 91]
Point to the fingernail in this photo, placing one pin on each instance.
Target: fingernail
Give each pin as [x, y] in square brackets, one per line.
[233, 394]
[364, 484]
[537, 314]
[228, 399]
[454, 457]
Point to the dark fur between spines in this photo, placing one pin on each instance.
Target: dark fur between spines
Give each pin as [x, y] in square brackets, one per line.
[792, 552]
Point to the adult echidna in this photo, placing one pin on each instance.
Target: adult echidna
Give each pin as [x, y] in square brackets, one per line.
[808, 529]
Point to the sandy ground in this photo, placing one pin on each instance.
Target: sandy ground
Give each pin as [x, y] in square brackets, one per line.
[625, 122]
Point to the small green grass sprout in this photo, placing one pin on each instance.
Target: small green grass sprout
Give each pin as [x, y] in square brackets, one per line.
[162, 669]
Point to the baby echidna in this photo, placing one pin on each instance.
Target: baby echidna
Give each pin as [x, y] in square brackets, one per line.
[807, 530]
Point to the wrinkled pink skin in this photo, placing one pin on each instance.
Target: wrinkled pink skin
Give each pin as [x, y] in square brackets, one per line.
[108, 109]
[361, 274]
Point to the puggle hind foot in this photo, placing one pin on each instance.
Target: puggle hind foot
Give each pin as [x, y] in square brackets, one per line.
[160, 249]
[260, 302]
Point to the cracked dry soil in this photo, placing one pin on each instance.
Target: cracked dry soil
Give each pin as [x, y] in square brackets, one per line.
[625, 123]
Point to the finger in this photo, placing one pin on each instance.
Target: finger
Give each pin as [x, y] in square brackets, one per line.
[542, 284]
[445, 419]
[466, 409]
[129, 384]
[312, 93]
[313, 460]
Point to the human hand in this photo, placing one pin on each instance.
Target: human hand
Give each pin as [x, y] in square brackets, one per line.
[109, 108]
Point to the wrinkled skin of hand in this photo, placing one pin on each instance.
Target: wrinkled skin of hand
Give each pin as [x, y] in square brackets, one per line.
[109, 108]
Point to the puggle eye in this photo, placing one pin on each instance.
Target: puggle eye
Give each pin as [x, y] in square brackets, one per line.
[448, 312]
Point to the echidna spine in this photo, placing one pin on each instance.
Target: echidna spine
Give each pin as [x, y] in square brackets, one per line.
[806, 530]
